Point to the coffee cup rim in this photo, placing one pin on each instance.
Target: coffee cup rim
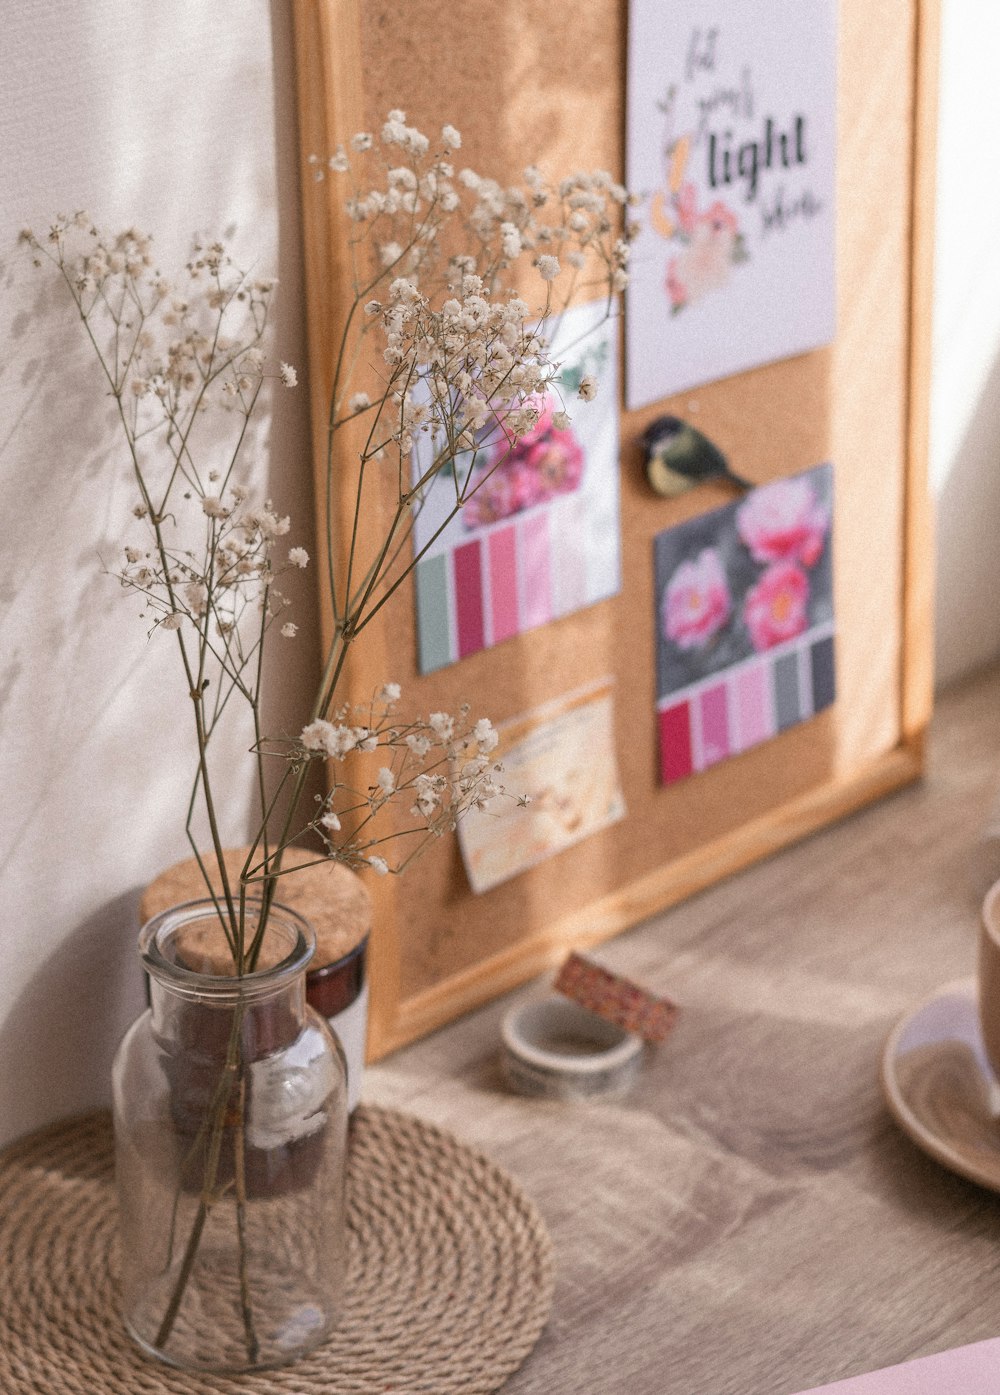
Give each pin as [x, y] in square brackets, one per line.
[990, 915]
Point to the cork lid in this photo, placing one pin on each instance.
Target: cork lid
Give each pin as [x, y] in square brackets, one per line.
[330, 896]
[202, 946]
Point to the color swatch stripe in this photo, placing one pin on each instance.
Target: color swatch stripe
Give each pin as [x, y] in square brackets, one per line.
[469, 598]
[786, 691]
[433, 613]
[754, 708]
[568, 531]
[714, 708]
[745, 706]
[823, 674]
[503, 583]
[675, 743]
[511, 579]
[536, 577]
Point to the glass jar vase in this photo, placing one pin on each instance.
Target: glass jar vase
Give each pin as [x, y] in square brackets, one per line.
[230, 1112]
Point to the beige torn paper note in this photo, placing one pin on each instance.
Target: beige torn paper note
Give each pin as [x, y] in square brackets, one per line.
[561, 757]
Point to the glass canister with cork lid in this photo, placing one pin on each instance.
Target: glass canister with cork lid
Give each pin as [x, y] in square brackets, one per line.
[334, 900]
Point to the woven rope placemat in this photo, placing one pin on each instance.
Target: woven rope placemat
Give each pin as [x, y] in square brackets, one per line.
[449, 1286]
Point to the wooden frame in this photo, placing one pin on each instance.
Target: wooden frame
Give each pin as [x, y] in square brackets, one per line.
[346, 53]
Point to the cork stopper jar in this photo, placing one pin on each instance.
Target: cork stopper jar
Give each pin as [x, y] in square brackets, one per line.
[335, 902]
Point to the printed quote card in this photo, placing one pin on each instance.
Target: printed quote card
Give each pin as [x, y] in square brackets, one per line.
[562, 757]
[539, 538]
[744, 622]
[731, 129]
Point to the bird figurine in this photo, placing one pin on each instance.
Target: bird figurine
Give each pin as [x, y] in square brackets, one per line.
[678, 457]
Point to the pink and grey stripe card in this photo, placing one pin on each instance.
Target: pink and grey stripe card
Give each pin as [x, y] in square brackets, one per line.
[539, 537]
[744, 622]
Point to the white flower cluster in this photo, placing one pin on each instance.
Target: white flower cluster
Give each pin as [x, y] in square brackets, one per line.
[471, 362]
[463, 352]
[460, 279]
[171, 349]
[213, 586]
[436, 769]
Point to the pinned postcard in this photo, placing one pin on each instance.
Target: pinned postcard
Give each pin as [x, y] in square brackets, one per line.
[744, 622]
[539, 538]
[561, 757]
[731, 130]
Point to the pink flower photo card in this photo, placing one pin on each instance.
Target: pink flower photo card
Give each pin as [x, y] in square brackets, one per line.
[731, 128]
[539, 537]
[744, 622]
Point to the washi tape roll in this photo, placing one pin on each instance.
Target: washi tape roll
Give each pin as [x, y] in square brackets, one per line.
[554, 1048]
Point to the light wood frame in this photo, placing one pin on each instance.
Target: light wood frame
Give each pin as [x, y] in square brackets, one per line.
[333, 86]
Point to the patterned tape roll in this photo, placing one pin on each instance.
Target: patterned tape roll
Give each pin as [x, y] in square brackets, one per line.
[555, 1048]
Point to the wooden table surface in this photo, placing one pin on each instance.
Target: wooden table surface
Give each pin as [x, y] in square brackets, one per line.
[750, 1221]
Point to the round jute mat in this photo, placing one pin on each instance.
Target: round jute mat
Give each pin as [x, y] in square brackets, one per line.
[449, 1286]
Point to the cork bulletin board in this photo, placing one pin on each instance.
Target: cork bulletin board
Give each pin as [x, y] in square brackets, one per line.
[547, 86]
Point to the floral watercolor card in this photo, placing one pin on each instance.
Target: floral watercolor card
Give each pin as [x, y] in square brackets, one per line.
[744, 622]
[562, 758]
[540, 538]
[731, 131]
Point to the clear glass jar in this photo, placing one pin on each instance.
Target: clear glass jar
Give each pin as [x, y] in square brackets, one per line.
[230, 1104]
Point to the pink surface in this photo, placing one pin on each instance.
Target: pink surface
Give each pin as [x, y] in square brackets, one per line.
[503, 584]
[536, 581]
[753, 693]
[972, 1370]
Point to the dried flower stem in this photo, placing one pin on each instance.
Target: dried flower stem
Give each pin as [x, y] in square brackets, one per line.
[437, 346]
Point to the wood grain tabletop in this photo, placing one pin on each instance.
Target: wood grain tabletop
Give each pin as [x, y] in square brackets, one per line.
[750, 1220]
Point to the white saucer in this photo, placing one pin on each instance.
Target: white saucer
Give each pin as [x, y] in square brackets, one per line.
[939, 1086]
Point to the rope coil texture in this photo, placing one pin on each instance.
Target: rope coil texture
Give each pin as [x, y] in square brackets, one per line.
[449, 1283]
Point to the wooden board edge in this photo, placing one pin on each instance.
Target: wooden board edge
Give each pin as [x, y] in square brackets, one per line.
[328, 74]
[328, 79]
[648, 896]
[917, 600]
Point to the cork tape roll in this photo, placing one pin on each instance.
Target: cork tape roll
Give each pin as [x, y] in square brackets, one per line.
[554, 1048]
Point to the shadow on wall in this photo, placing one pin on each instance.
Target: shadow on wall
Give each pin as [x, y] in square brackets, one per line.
[61, 1034]
[96, 727]
[967, 620]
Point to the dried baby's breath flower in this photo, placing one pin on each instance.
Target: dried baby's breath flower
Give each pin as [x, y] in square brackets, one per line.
[440, 349]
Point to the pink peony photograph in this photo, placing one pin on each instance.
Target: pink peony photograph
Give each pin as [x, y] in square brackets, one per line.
[784, 521]
[752, 578]
[777, 608]
[696, 603]
[547, 461]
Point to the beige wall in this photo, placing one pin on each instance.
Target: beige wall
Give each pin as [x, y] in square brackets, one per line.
[177, 117]
[965, 403]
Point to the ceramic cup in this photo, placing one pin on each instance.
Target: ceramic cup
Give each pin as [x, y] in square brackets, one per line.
[989, 976]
